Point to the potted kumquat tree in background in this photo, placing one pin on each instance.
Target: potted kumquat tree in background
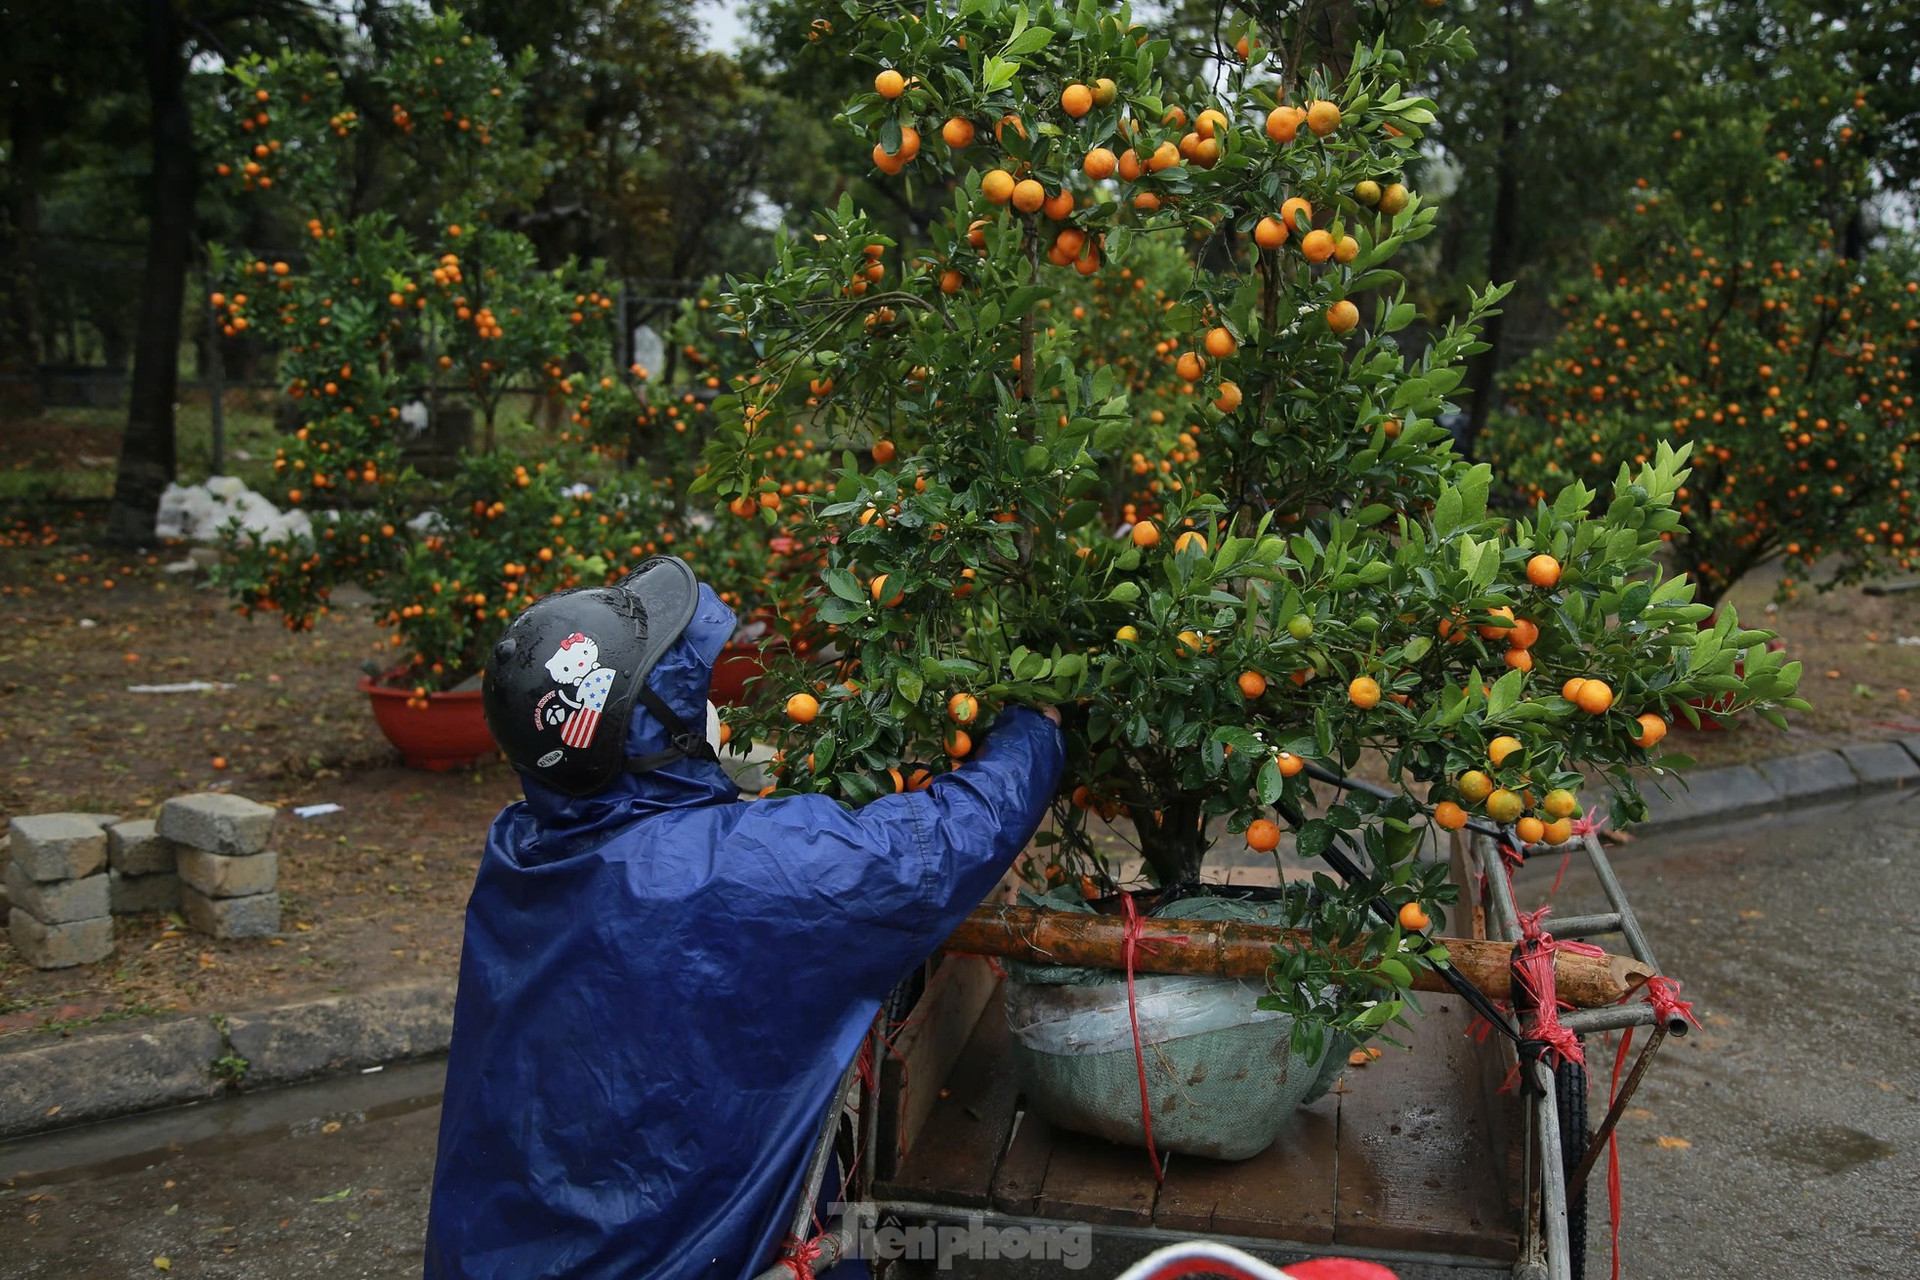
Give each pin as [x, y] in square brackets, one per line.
[429, 304]
[1226, 544]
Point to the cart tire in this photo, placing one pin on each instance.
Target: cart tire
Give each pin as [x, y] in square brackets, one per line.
[1570, 1092]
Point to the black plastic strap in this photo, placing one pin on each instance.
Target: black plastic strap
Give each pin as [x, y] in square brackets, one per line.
[687, 745]
[1349, 870]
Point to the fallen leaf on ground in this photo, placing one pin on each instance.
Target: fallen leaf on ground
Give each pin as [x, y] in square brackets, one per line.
[334, 1197]
[1672, 1144]
[162, 1264]
[1751, 914]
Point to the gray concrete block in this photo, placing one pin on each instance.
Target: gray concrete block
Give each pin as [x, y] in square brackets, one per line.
[101, 820]
[136, 849]
[253, 917]
[56, 846]
[1912, 744]
[1730, 789]
[1665, 809]
[1809, 776]
[132, 895]
[216, 822]
[344, 1032]
[1881, 764]
[60, 946]
[105, 1071]
[57, 901]
[219, 876]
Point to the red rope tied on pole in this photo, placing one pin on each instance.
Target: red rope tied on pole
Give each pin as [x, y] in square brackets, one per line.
[798, 1256]
[1533, 975]
[1663, 994]
[1131, 943]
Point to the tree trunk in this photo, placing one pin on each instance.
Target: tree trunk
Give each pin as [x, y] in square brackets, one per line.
[1503, 253]
[20, 353]
[1173, 839]
[147, 452]
[1223, 949]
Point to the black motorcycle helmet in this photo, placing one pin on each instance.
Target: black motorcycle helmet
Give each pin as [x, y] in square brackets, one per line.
[561, 683]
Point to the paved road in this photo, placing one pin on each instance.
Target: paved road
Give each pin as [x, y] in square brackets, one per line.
[1791, 1120]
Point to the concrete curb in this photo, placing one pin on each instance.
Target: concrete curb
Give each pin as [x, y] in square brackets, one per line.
[93, 1075]
[1786, 782]
[51, 1083]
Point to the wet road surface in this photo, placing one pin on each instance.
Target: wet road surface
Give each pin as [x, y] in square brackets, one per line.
[1782, 1139]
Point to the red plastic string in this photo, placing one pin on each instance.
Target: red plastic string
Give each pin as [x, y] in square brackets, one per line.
[1613, 1152]
[1533, 972]
[1132, 943]
[1663, 994]
[886, 1038]
[798, 1256]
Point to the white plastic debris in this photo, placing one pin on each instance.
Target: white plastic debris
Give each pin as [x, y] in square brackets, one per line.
[315, 810]
[197, 513]
[183, 686]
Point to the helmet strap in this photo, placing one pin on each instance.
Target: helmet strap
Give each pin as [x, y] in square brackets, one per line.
[687, 744]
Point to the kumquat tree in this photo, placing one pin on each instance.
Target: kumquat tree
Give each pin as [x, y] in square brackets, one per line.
[409, 294]
[1726, 313]
[1312, 576]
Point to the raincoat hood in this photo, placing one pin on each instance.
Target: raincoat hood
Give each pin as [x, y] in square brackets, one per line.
[552, 823]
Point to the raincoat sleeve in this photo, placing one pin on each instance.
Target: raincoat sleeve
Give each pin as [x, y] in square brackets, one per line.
[957, 837]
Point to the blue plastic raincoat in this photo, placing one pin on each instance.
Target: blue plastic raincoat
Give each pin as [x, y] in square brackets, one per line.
[660, 988]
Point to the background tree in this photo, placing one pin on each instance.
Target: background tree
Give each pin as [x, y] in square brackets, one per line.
[171, 36]
[1733, 309]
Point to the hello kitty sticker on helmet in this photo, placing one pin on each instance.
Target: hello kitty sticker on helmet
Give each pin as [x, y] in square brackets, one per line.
[576, 665]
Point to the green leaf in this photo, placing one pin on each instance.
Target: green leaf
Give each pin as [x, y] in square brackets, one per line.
[1269, 782]
[1506, 692]
[845, 585]
[1315, 837]
[1033, 40]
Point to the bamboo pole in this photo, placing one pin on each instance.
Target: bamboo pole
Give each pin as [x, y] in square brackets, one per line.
[1216, 949]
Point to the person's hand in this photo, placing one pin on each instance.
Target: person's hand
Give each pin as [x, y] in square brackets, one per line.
[1051, 713]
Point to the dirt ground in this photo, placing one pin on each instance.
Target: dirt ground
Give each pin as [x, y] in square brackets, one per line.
[374, 893]
[371, 894]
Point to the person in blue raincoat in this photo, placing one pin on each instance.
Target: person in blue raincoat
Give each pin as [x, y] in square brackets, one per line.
[660, 986]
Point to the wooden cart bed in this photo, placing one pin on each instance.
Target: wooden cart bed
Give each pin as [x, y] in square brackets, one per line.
[1414, 1153]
